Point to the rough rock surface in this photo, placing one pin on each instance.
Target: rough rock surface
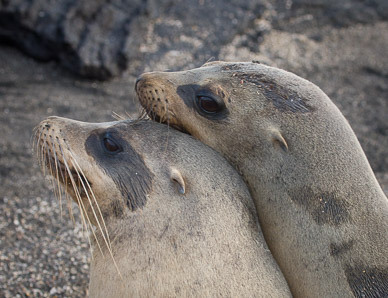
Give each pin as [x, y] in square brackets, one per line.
[102, 38]
[338, 45]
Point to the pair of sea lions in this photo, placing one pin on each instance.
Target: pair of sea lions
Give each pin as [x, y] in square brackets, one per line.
[323, 214]
[321, 209]
[172, 217]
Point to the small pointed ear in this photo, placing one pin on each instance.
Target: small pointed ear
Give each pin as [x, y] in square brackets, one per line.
[278, 140]
[177, 177]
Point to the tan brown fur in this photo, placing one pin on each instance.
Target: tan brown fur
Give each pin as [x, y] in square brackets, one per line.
[322, 211]
[194, 233]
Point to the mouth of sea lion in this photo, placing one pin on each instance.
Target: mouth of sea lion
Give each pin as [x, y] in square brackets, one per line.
[66, 174]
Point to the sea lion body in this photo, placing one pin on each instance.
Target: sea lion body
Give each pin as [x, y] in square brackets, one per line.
[321, 209]
[180, 219]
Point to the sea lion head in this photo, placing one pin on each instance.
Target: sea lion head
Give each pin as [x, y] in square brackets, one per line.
[96, 165]
[115, 170]
[220, 100]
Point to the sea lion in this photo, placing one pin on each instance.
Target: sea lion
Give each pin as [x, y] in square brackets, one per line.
[177, 219]
[321, 209]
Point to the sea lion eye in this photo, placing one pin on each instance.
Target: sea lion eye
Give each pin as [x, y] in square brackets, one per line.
[208, 104]
[111, 145]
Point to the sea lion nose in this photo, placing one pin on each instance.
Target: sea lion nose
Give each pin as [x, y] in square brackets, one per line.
[141, 80]
[148, 78]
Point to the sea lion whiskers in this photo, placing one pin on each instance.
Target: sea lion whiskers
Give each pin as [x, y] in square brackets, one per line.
[68, 200]
[43, 154]
[34, 140]
[68, 174]
[87, 188]
[35, 145]
[105, 230]
[64, 176]
[103, 233]
[84, 214]
[85, 218]
[142, 114]
[117, 116]
[57, 175]
[54, 163]
[52, 179]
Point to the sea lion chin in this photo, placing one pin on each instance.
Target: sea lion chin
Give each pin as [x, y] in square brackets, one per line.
[169, 216]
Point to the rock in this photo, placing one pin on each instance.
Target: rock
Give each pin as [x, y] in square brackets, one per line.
[100, 39]
[301, 16]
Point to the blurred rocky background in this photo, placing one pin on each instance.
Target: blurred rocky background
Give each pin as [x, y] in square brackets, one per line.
[79, 59]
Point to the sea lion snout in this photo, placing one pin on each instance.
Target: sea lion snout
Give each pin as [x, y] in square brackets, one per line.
[153, 97]
[155, 91]
[56, 157]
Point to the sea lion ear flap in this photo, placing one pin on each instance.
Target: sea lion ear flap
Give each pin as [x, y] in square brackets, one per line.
[177, 177]
[278, 140]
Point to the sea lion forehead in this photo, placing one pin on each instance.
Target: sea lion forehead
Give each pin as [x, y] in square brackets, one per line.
[126, 129]
[226, 66]
[215, 70]
[233, 72]
[276, 85]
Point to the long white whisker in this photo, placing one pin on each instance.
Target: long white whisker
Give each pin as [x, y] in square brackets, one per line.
[50, 167]
[34, 139]
[90, 202]
[36, 147]
[43, 153]
[84, 225]
[106, 239]
[82, 206]
[80, 203]
[65, 181]
[57, 175]
[78, 168]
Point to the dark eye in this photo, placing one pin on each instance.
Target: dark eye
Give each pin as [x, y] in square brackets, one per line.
[208, 104]
[111, 145]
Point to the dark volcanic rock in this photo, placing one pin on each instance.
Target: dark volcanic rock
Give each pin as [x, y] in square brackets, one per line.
[100, 39]
[300, 16]
[87, 37]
